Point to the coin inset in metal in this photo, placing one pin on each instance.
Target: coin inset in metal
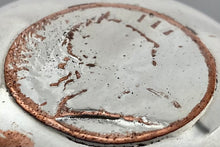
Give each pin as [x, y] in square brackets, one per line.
[110, 73]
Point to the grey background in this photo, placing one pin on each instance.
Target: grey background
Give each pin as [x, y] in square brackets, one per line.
[210, 7]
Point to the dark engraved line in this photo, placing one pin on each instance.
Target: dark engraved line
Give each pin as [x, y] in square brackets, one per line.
[61, 80]
[168, 32]
[156, 45]
[141, 18]
[155, 24]
[104, 16]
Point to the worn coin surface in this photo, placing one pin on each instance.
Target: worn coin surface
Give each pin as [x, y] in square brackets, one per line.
[111, 73]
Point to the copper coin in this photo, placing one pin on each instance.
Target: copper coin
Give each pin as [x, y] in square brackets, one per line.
[111, 73]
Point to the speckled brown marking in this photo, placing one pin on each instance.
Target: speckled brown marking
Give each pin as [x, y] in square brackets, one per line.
[63, 102]
[168, 32]
[66, 59]
[14, 139]
[155, 24]
[30, 106]
[176, 104]
[126, 92]
[67, 21]
[85, 56]
[156, 45]
[153, 52]
[88, 22]
[90, 65]
[104, 16]
[78, 75]
[87, 36]
[157, 93]
[40, 37]
[154, 63]
[43, 104]
[62, 65]
[115, 20]
[61, 80]
[141, 18]
[69, 51]
[67, 82]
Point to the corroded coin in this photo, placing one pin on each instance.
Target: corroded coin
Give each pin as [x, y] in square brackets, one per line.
[111, 73]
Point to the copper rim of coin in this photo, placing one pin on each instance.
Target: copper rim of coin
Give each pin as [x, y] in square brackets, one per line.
[34, 109]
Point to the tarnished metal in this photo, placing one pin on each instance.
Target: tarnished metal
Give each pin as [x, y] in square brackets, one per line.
[111, 73]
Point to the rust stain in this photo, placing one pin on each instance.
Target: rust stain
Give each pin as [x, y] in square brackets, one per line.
[156, 45]
[66, 59]
[87, 36]
[61, 65]
[90, 65]
[153, 52]
[78, 75]
[168, 32]
[154, 63]
[176, 104]
[67, 82]
[115, 20]
[141, 18]
[61, 80]
[43, 104]
[126, 92]
[88, 22]
[104, 16]
[69, 51]
[155, 24]
[40, 37]
[14, 139]
[85, 56]
[157, 93]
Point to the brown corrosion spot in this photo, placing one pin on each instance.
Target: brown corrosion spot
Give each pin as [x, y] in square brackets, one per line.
[115, 20]
[40, 37]
[153, 53]
[69, 51]
[61, 80]
[67, 82]
[77, 74]
[66, 59]
[154, 63]
[141, 18]
[67, 21]
[61, 65]
[88, 22]
[104, 16]
[85, 56]
[176, 104]
[43, 104]
[63, 102]
[155, 24]
[126, 92]
[64, 42]
[180, 46]
[156, 45]
[14, 139]
[157, 93]
[87, 36]
[90, 65]
[168, 32]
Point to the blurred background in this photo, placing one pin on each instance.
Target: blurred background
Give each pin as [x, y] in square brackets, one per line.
[210, 7]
